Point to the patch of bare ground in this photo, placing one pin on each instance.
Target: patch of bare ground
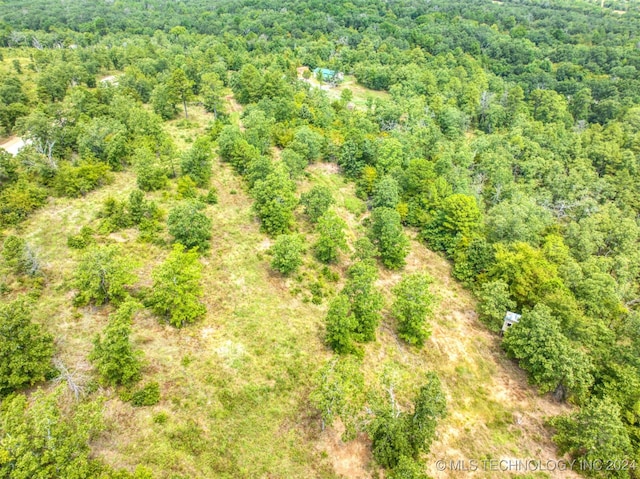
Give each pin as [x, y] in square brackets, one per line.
[348, 459]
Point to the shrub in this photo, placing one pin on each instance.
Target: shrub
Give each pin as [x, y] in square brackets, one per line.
[82, 239]
[19, 256]
[149, 395]
[187, 188]
[287, 254]
[102, 276]
[113, 353]
[19, 200]
[211, 198]
[25, 351]
[316, 202]
[74, 181]
[189, 226]
[176, 289]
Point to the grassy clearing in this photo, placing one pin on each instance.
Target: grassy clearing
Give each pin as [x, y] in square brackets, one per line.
[360, 94]
[235, 385]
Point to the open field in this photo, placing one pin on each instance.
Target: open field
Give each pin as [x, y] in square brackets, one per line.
[235, 385]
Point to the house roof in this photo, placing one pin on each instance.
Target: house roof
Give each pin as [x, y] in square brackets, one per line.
[512, 317]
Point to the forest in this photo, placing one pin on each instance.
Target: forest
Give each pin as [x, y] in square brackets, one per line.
[258, 238]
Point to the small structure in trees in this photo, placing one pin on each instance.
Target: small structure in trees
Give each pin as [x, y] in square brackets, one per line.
[329, 76]
[509, 320]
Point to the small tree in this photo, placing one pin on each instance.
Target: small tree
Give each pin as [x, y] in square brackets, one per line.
[25, 350]
[176, 289]
[595, 433]
[102, 276]
[189, 226]
[331, 230]
[386, 193]
[180, 88]
[494, 301]
[364, 299]
[341, 326]
[387, 234]
[275, 202]
[397, 434]
[339, 393]
[151, 175]
[287, 254]
[196, 162]
[316, 202]
[19, 256]
[411, 307]
[551, 361]
[113, 355]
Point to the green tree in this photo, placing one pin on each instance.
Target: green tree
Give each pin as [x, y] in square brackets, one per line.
[275, 202]
[20, 256]
[386, 193]
[459, 216]
[25, 350]
[331, 238]
[102, 275]
[412, 306]
[552, 362]
[395, 434]
[189, 225]
[494, 302]
[595, 433]
[287, 254]
[339, 393]
[196, 162]
[176, 291]
[151, 175]
[211, 92]
[39, 440]
[113, 354]
[180, 88]
[316, 202]
[364, 298]
[104, 139]
[388, 235]
[341, 326]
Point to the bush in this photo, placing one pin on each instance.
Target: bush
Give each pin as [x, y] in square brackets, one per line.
[82, 239]
[25, 351]
[287, 254]
[19, 256]
[74, 181]
[19, 200]
[176, 289]
[189, 226]
[149, 395]
[211, 198]
[187, 188]
[151, 175]
[102, 276]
